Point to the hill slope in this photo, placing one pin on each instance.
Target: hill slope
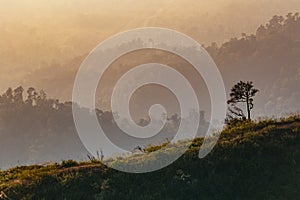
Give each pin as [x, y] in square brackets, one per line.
[258, 160]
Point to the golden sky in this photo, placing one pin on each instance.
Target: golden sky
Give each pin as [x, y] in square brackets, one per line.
[40, 33]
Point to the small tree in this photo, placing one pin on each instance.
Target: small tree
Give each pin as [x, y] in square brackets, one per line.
[242, 92]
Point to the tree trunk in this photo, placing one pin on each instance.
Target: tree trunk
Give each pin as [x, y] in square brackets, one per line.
[248, 108]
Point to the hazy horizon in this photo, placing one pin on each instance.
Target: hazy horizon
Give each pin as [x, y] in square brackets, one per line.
[38, 34]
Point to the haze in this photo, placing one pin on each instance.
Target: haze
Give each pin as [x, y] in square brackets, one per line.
[51, 33]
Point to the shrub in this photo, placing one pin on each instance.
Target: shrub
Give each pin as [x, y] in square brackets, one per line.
[69, 163]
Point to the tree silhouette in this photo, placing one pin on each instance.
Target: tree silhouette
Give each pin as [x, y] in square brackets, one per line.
[242, 92]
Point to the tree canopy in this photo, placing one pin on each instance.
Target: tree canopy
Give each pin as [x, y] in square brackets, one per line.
[242, 92]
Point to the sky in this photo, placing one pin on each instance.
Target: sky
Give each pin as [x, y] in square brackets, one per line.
[51, 34]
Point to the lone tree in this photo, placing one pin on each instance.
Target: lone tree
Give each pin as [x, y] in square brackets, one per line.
[242, 92]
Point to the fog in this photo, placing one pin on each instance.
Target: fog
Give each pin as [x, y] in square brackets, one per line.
[51, 34]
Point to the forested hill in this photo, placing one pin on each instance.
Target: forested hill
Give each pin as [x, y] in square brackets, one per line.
[252, 160]
[37, 129]
[269, 57]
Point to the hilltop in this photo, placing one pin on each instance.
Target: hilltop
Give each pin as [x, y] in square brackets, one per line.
[252, 160]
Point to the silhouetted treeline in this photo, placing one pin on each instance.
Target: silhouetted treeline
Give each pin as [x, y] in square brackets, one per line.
[37, 129]
[34, 128]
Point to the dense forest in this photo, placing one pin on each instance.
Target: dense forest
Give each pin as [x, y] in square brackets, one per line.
[270, 58]
[35, 128]
[38, 129]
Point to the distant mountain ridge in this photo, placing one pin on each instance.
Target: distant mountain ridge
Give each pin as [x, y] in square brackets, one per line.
[269, 58]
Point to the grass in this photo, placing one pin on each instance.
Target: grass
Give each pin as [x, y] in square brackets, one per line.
[252, 160]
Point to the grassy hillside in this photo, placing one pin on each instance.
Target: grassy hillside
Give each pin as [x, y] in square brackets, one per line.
[252, 160]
